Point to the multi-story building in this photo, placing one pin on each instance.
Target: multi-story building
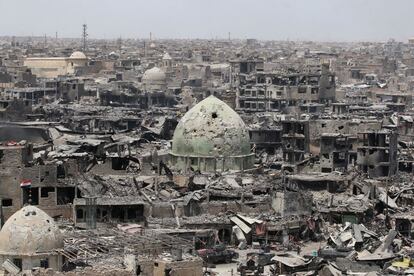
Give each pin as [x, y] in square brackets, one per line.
[378, 155]
[295, 140]
[275, 92]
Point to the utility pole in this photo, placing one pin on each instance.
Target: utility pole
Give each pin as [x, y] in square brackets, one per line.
[390, 167]
[84, 36]
[119, 44]
[1, 213]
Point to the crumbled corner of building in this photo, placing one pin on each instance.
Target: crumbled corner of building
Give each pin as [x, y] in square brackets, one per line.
[206, 157]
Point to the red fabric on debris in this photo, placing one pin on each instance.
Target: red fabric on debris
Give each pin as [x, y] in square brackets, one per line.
[260, 229]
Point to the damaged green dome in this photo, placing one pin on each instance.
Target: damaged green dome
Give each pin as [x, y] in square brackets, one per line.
[212, 130]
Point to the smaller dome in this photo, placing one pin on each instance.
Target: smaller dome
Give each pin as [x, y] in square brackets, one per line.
[154, 74]
[29, 231]
[166, 56]
[77, 55]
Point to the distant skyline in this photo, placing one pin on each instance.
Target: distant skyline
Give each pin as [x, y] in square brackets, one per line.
[317, 20]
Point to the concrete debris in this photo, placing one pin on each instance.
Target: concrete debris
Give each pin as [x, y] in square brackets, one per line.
[10, 267]
[195, 157]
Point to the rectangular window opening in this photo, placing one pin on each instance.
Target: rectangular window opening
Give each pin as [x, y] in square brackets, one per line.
[44, 192]
[7, 202]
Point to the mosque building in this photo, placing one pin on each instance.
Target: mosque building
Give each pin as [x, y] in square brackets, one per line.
[167, 62]
[211, 137]
[31, 239]
[155, 88]
[154, 79]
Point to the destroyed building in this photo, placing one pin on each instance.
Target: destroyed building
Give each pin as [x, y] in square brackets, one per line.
[336, 152]
[378, 155]
[196, 157]
[277, 92]
[295, 141]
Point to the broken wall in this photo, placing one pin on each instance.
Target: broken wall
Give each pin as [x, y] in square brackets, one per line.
[318, 127]
[178, 268]
[292, 203]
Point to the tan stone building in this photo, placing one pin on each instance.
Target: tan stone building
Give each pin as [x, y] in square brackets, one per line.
[52, 67]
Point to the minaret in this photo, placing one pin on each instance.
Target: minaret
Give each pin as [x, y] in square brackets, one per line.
[84, 36]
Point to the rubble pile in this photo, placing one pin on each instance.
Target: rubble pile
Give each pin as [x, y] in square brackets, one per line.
[199, 157]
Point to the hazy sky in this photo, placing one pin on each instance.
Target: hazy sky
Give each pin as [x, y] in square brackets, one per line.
[323, 20]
